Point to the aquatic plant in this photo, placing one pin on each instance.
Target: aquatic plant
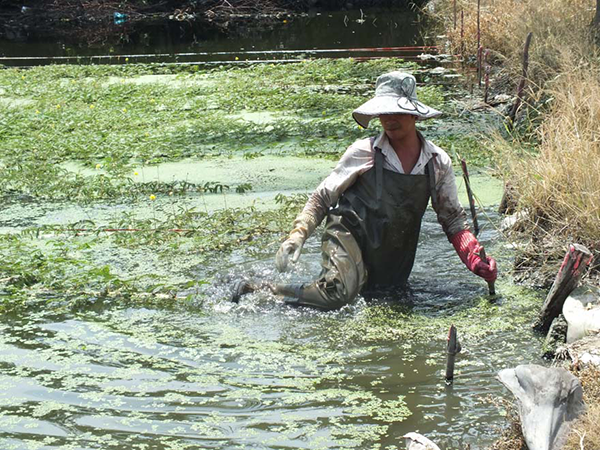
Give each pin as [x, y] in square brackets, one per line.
[104, 266]
[118, 117]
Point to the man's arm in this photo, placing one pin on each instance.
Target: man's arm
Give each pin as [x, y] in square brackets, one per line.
[357, 159]
[450, 213]
[453, 219]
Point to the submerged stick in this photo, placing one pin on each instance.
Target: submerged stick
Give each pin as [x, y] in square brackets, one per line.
[482, 255]
[452, 348]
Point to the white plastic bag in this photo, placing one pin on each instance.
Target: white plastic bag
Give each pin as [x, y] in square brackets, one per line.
[582, 312]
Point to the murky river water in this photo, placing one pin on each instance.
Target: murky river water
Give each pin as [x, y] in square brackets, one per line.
[212, 374]
[206, 373]
[331, 34]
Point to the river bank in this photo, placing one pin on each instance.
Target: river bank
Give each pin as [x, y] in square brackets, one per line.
[552, 186]
[548, 156]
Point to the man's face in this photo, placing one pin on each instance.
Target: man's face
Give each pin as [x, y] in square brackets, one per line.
[398, 126]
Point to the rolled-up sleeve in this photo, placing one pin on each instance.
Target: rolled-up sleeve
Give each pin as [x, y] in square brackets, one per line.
[450, 213]
[357, 159]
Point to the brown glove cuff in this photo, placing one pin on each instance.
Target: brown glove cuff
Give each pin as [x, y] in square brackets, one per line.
[304, 224]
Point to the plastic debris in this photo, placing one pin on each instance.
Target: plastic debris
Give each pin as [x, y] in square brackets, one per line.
[582, 312]
[120, 18]
[416, 441]
[548, 400]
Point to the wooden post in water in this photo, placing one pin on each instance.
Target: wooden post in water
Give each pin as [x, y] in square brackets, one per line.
[576, 261]
[452, 348]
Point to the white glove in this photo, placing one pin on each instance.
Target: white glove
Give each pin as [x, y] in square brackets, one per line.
[291, 246]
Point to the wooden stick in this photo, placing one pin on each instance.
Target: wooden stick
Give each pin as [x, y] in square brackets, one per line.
[452, 348]
[479, 41]
[462, 36]
[482, 255]
[487, 69]
[574, 264]
[455, 14]
[465, 171]
[479, 65]
[513, 112]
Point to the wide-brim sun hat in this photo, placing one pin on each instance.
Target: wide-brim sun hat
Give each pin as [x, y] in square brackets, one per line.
[395, 93]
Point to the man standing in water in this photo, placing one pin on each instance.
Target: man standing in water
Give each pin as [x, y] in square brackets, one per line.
[374, 201]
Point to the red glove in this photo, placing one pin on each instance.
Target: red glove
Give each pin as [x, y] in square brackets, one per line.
[468, 249]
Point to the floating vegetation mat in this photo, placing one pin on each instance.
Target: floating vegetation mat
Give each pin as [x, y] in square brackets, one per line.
[84, 132]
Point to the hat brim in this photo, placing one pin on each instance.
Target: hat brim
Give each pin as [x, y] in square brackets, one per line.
[392, 105]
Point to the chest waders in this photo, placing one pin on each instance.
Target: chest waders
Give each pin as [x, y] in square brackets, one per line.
[370, 238]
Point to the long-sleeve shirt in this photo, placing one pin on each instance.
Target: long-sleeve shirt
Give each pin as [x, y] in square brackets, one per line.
[360, 157]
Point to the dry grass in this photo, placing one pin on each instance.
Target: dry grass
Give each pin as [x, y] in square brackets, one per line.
[560, 30]
[512, 436]
[560, 186]
[585, 433]
[558, 182]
